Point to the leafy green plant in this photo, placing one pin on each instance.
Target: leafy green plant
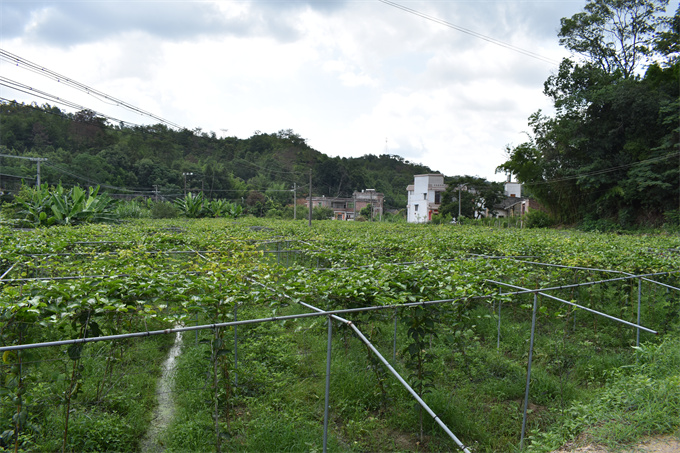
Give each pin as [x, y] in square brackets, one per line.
[538, 219]
[45, 206]
[223, 208]
[164, 210]
[191, 206]
[421, 322]
[131, 210]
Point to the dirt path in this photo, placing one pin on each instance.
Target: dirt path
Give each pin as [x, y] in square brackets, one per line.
[166, 407]
[664, 444]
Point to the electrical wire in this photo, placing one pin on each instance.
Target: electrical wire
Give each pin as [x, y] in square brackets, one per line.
[475, 34]
[33, 67]
[606, 170]
[50, 97]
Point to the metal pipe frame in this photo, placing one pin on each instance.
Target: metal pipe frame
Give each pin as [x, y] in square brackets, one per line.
[613, 318]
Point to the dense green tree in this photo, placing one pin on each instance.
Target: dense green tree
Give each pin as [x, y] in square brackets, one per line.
[85, 149]
[611, 149]
[476, 195]
[614, 35]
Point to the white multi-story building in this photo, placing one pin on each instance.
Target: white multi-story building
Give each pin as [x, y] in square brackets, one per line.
[424, 197]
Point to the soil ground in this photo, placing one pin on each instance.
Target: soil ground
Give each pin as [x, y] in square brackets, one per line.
[664, 444]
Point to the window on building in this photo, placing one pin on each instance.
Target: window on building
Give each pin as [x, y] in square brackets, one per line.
[437, 197]
[415, 207]
[425, 196]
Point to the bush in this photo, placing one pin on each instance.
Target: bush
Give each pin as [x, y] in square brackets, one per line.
[164, 210]
[439, 219]
[538, 219]
[131, 210]
[672, 218]
[600, 225]
[322, 213]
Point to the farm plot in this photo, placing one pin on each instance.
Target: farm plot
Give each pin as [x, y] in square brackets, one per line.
[268, 312]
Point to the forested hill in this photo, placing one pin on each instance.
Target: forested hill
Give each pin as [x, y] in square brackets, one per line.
[84, 149]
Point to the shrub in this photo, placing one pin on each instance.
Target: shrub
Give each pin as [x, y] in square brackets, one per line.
[439, 219]
[538, 219]
[131, 210]
[164, 210]
[322, 213]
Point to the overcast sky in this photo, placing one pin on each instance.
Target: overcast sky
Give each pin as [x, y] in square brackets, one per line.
[352, 77]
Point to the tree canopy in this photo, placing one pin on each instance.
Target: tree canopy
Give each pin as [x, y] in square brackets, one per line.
[470, 195]
[155, 160]
[611, 150]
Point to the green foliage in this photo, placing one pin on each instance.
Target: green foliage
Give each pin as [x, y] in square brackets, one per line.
[449, 353]
[322, 213]
[164, 210]
[191, 205]
[536, 218]
[610, 151]
[157, 159]
[222, 208]
[45, 206]
[441, 218]
[476, 196]
[132, 210]
[638, 399]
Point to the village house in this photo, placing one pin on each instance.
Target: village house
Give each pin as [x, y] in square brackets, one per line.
[515, 205]
[350, 208]
[424, 197]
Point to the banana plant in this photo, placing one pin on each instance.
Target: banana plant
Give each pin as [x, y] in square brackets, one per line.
[45, 206]
[191, 206]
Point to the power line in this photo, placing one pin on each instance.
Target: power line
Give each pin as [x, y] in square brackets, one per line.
[33, 67]
[475, 34]
[17, 86]
[606, 170]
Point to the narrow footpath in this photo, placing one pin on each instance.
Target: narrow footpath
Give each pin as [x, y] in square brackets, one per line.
[165, 409]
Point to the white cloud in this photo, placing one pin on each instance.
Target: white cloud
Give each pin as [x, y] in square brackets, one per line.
[351, 77]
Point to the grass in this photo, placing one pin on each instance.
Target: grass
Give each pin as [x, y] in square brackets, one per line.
[478, 391]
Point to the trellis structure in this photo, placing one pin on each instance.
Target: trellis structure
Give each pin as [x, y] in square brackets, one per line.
[336, 315]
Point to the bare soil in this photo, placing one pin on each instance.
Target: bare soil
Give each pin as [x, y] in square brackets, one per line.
[663, 444]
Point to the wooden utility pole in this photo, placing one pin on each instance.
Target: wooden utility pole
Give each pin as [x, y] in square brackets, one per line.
[37, 160]
[310, 197]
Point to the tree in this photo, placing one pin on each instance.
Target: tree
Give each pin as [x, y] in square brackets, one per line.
[476, 196]
[614, 35]
[607, 152]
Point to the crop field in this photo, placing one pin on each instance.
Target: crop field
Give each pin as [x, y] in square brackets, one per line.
[253, 335]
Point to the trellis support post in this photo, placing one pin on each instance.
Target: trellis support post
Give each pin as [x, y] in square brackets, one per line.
[328, 385]
[531, 352]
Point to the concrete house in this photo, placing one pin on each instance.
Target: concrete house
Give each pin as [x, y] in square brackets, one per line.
[349, 208]
[424, 197]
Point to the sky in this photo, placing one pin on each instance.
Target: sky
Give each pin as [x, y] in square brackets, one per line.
[351, 77]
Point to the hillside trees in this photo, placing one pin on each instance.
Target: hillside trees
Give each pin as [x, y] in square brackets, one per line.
[83, 149]
[611, 150]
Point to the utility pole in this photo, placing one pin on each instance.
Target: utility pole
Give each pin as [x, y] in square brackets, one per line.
[37, 160]
[310, 197]
[185, 182]
[294, 201]
[458, 204]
